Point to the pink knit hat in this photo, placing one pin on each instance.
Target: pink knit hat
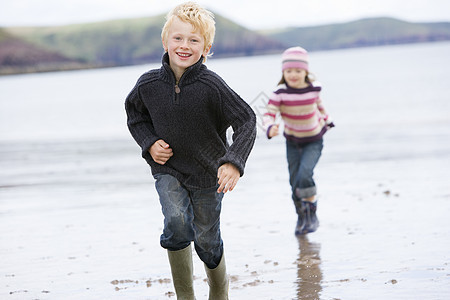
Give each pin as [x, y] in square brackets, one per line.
[295, 57]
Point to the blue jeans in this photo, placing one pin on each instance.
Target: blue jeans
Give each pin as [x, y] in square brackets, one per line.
[302, 159]
[190, 216]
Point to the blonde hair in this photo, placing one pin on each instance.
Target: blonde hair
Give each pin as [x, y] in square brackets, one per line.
[200, 19]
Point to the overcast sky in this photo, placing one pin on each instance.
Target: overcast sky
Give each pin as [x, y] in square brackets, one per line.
[251, 14]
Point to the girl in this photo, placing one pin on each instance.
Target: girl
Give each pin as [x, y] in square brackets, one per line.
[298, 102]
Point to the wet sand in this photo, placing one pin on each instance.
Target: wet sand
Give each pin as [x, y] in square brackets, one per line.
[81, 220]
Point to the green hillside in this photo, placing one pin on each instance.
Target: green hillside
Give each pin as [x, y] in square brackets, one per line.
[135, 41]
[361, 33]
[138, 41]
[117, 42]
[19, 56]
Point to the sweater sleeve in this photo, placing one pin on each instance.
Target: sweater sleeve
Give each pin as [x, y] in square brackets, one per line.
[320, 106]
[273, 108]
[242, 119]
[324, 113]
[139, 122]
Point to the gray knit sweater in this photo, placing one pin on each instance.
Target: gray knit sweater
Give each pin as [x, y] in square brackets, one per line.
[192, 117]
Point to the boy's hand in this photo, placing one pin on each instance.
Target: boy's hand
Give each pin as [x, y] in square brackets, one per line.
[273, 131]
[160, 152]
[228, 176]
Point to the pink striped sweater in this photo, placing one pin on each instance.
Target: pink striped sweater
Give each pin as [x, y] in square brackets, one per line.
[305, 119]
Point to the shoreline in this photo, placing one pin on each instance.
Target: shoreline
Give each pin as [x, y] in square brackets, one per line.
[50, 68]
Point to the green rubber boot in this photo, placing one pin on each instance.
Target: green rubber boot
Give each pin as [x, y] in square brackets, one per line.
[218, 281]
[182, 273]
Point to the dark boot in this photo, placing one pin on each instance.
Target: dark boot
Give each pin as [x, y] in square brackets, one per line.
[311, 220]
[301, 220]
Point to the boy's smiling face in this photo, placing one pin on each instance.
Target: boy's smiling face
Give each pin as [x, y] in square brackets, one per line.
[184, 45]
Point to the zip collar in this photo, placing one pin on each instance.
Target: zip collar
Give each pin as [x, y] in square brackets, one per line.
[190, 74]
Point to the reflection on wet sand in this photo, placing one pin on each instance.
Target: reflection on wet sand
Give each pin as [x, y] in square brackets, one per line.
[309, 274]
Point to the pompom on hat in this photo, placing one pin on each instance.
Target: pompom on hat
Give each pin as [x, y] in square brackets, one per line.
[295, 57]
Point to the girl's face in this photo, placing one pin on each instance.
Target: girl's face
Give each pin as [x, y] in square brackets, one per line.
[184, 46]
[295, 78]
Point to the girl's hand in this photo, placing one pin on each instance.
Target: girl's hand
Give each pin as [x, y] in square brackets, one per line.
[228, 176]
[160, 152]
[273, 131]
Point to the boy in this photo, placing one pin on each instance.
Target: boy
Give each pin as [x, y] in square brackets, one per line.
[179, 115]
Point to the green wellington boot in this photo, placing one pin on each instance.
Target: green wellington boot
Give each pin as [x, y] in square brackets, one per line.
[182, 273]
[218, 281]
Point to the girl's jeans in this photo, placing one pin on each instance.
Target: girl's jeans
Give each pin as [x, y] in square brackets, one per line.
[301, 162]
[190, 216]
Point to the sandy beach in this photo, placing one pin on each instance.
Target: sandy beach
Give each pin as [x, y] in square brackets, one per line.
[76, 226]
[80, 218]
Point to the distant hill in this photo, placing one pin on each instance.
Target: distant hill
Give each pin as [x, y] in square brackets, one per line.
[127, 42]
[138, 41]
[361, 33]
[19, 56]
[118, 42]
